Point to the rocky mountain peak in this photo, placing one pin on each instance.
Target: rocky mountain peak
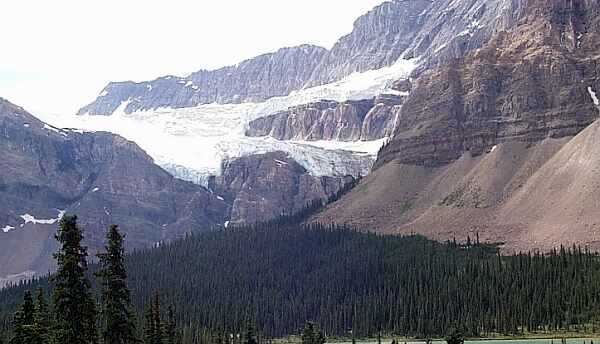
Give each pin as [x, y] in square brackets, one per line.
[256, 79]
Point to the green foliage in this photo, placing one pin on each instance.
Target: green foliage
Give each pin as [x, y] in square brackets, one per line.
[24, 322]
[117, 316]
[42, 319]
[281, 274]
[312, 335]
[74, 306]
[455, 337]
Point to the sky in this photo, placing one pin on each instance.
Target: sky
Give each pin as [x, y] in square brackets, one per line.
[58, 55]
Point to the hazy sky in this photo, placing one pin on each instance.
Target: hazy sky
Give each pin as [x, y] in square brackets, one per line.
[58, 55]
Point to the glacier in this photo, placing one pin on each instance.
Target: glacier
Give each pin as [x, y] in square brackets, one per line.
[193, 143]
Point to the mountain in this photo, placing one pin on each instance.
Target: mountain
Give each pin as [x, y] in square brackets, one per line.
[256, 79]
[47, 172]
[105, 179]
[472, 98]
[433, 31]
[265, 186]
[494, 143]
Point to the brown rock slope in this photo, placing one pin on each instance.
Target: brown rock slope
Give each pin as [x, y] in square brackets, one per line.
[485, 145]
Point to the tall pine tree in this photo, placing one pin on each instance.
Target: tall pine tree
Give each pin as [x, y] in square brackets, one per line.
[117, 317]
[42, 322]
[74, 306]
[171, 327]
[24, 322]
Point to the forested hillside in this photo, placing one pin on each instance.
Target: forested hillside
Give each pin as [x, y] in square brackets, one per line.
[279, 275]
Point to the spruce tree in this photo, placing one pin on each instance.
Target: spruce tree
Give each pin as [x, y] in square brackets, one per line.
[24, 332]
[312, 335]
[149, 328]
[74, 306]
[117, 317]
[171, 327]
[42, 321]
[250, 337]
[158, 337]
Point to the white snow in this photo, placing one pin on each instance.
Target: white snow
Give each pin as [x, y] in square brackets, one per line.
[493, 148]
[189, 83]
[191, 143]
[280, 163]
[104, 93]
[51, 128]
[226, 224]
[149, 87]
[26, 125]
[220, 198]
[31, 219]
[95, 189]
[7, 228]
[594, 96]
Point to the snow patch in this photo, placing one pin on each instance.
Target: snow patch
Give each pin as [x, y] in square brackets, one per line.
[594, 96]
[7, 228]
[104, 93]
[189, 83]
[226, 224]
[280, 163]
[31, 219]
[493, 148]
[95, 189]
[220, 198]
[26, 125]
[56, 130]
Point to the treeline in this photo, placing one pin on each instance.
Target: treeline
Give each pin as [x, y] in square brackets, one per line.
[76, 315]
[274, 277]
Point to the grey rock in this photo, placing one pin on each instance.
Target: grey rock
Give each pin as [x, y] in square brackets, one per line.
[256, 79]
[263, 186]
[365, 120]
[378, 39]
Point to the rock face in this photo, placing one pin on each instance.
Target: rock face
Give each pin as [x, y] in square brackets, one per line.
[493, 142]
[46, 172]
[256, 79]
[364, 120]
[378, 39]
[264, 186]
[526, 85]
[434, 31]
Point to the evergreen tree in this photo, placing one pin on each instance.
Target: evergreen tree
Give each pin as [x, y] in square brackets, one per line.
[312, 335]
[158, 337]
[74, 306]
[117, 317]
[149, 328]
[455, 337]
[171, 327]
[42, 322]
[24, 331]
[153, 328]
[250, 337]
